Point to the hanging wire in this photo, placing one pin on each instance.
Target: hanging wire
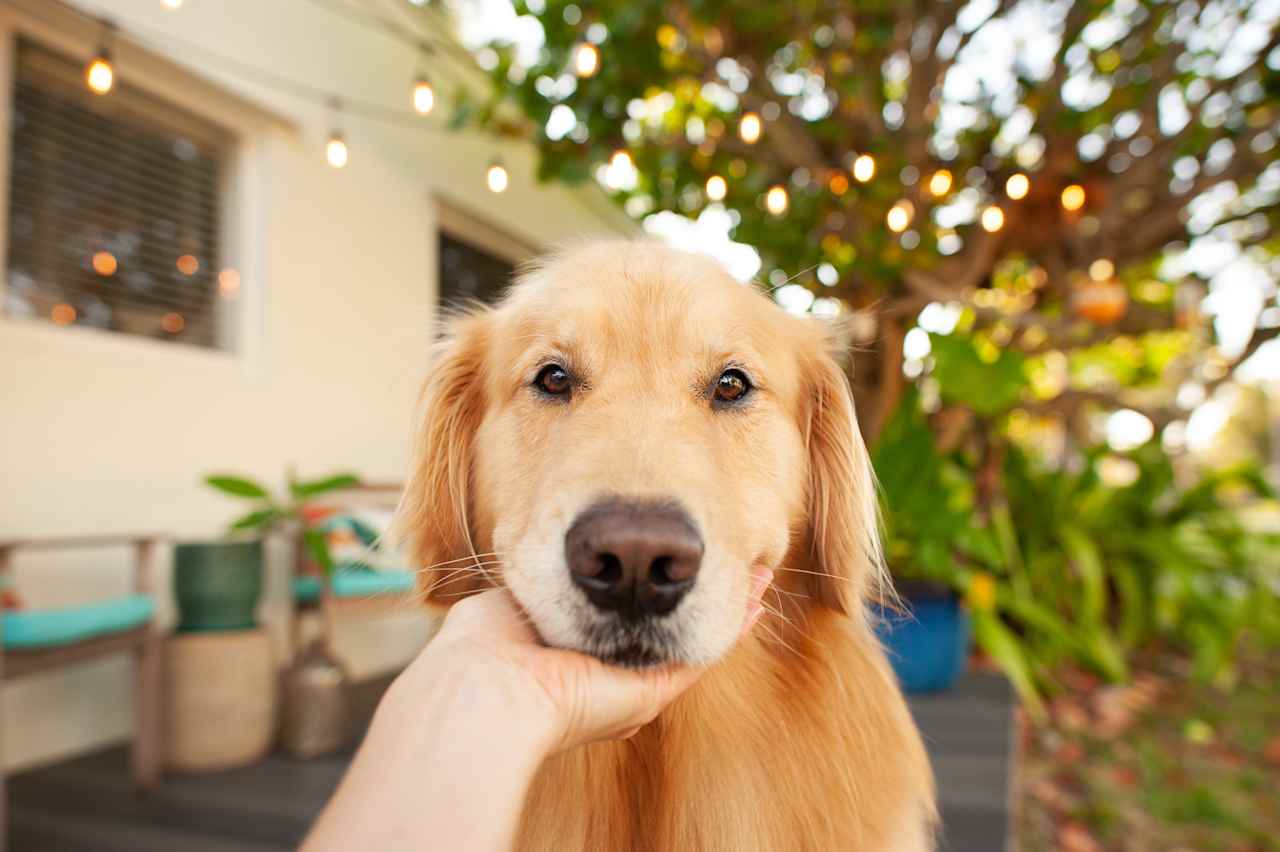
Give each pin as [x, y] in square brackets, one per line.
[405, 35]
[248, 72]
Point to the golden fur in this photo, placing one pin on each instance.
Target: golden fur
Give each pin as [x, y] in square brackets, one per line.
[797, 738]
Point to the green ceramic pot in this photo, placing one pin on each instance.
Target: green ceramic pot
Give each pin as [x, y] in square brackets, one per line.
[217, 584]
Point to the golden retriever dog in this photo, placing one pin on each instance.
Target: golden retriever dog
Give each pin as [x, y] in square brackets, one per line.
[626, 436]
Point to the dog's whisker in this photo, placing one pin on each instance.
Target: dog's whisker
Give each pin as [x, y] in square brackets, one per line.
[777, 638]
[817, 574]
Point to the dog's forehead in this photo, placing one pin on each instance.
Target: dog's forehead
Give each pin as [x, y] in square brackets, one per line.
[642, 291]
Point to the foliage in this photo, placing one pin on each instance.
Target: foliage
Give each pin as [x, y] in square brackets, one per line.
[1000, 307]
[289, 512]
[1165, 115]
[1067, 569]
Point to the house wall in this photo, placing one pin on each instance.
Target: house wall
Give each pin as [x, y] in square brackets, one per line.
[103, 433]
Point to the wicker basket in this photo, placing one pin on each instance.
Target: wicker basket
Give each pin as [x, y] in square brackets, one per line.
[220, 699]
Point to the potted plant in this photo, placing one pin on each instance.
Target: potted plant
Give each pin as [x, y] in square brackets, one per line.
[927, 629]
[217, 583]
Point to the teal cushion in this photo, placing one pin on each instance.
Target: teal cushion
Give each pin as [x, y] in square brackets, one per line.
[39, 628]
[355, 583]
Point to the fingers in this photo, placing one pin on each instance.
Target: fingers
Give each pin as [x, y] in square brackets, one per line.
[608, 702]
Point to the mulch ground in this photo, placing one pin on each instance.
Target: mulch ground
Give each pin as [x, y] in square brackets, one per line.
[1161, 765]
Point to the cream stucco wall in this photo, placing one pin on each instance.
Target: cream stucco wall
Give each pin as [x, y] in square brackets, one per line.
[102, 433]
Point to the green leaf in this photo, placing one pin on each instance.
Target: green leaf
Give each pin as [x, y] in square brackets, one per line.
[318, 550]
[1003, 647]
[1088, 564]
[316, 487]
[259, 519]
[987, 387]
[237, 486]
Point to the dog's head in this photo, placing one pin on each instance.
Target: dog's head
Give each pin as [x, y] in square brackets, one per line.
[622, 440]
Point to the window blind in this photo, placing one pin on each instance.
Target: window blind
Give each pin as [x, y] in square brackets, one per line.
[115, 206]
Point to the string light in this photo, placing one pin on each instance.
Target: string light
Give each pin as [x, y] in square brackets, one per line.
[424, 96]
[173, 323]
[621, 171]
[864, 168]
[63, 314]
[1017, 186]
[940, 183]
[717, 188]
[171, 4]
[496, 177]
[228, 282]
[104, 263]
[899, 216]
[586, 59]
[335, 150]
[1101, 269]
[1073, 197]
[188, 265]
[749, 128]
[839, 184]
[100, 74]
[992, 219]
[776, 200]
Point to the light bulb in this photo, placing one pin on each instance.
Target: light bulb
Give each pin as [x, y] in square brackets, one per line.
[497, 177]
[171, 4]
[1073, 197]
[864, 168]
[1101, 269]
[424, 96]
[749, 128]
[621, 171]
[1017, 186]
[336, 151]
[99, 74]
[992, 219]
[776, 200]
[717, 188]
[586, 59]
[899, 216]
[104, 263]
[940, 183]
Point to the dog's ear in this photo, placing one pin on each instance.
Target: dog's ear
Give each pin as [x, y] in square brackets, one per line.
[435, 519]
[843, 510]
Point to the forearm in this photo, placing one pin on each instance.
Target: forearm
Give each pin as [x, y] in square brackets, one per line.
[446, 765]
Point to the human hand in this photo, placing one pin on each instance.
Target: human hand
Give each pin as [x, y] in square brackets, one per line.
[459, 736]
[578, 698]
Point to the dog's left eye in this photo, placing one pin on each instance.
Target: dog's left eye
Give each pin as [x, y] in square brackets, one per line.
[732, 386]
[553, 380]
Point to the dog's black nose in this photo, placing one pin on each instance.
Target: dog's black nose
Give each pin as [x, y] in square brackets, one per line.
[633, 558]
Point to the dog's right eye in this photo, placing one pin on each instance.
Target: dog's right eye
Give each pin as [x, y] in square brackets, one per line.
[553, 380]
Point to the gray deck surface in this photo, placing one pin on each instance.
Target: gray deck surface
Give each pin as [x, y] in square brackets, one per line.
[87, 803]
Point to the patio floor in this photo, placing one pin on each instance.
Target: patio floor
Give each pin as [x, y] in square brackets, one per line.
[87, 803]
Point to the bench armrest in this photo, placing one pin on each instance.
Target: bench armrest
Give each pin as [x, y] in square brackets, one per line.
[144, 545]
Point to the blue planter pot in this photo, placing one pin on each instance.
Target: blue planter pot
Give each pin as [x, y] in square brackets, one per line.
[928, 645]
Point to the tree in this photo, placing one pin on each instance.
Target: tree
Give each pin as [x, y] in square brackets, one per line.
[1052, 182]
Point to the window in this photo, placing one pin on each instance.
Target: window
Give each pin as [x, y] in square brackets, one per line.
[477, 260]
[468, 273]
[115, 207]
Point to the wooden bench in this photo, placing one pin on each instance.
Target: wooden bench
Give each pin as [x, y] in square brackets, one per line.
[43, 640]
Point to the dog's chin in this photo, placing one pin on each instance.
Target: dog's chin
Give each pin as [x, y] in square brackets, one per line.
[632, 645]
